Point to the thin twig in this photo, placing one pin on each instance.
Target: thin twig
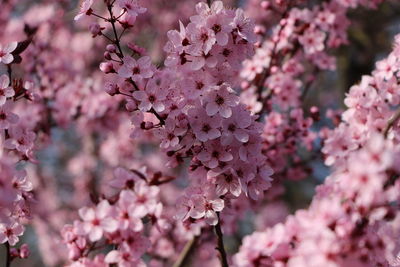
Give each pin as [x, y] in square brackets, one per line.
[391, 123]
[209, 3]
[186, 252]
[8, 256]
[220, 244]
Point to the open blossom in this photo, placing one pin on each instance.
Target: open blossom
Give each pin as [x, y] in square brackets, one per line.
[20, 139]
[152, 97]
[206, 208]
[137, 70]
[5, 90]
[97, 220]
[213, 153]
[204, 126]
[7, 118]
[313, 41]
[10, 232]
[5, 53]
[85, 9]
[221, 101]
[132, 9]
[125, 179]
[128, 215]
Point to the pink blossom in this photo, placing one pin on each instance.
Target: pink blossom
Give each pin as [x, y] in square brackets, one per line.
[5, 53]
[137, 70]
[221, 101]
[204, 126]
[213, 153]
[7, 118]
[152, 97]
[5, 90]
[97, 220]
[10, 232]
[128, 214]
[207, 209]
[85, 9]
[132, 9]
[312, 41]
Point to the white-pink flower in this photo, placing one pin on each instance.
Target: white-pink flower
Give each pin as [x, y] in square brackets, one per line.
[10, 233]
[152, 97]
[221, 101]
[207, 209]
[5, 89]
[85, 9]
[5, 53]
[97, 220]
[136, 69]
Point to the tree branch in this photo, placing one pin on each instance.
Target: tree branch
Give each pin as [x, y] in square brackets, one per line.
[186, 252]
[220, 244]
[391, 123]
[8, 256]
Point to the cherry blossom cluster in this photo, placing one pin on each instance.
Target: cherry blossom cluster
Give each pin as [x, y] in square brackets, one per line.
[353, 219]
[16, 141]
[192, 126]
[117, 220]
[192, 108]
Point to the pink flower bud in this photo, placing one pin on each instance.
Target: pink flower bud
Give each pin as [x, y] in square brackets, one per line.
[107, 67]
[111, 89]
[265, 5]
[95, 29]
[24, 251]
[107, 55]
[111, 48]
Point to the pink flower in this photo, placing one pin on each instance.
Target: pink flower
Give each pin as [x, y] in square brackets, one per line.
[228, 183]
[124, 178]
[221, 101]
[132, 9]
[145, 198]
[213, 153]
[97, 220]
[205, 127]
[312, 40]
[137, 70]
[170, 134]
[5, 90]
[207, 209]
[85, 9]
[128, 214]
[5, 53]
[20, 139]
[202, 38]
[244, 26]
[152, 97]
[10, 232]
[125, 256]
[7, 118]
[235, 126]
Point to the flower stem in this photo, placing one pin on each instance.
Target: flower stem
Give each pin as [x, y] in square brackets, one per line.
[391, 123]
[8, 255]
[209, 3]
[186, 252]
[220, 244]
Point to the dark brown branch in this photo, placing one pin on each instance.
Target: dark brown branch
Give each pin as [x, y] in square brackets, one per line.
[220, 244]
[8, 255]
[391, 123]
[186, 252]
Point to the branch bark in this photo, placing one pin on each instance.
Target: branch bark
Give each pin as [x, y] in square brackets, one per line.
[186, 252]
[220, 244]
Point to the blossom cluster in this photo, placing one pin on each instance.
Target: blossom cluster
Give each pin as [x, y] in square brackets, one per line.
[191, 106]
[352, 219]
[192, 124]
